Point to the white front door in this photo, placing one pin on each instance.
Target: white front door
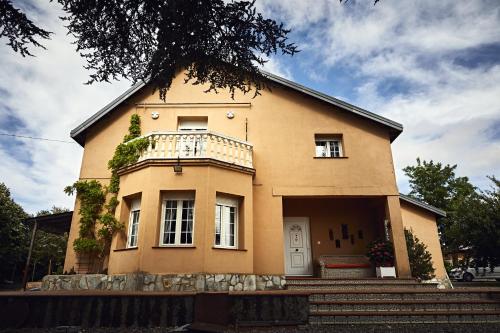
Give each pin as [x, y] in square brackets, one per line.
[297, 246]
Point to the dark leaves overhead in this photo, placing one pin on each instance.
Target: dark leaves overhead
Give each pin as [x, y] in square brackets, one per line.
[18, 29]
[217, 43]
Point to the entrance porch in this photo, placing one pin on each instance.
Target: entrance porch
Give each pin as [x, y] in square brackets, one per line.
[335, 229]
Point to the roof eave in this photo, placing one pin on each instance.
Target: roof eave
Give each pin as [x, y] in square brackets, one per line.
[395, 128]
[421, 204]
[78, 133]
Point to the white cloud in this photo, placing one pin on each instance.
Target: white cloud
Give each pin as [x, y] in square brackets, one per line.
[46, 94]
[417, 46]
[276, 67]
[447, 109]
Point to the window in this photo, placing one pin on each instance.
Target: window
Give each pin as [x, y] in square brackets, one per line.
[133, 223]
[328, 147]
[192, 124]
[191, 145]
[177, 221]
[226, 222]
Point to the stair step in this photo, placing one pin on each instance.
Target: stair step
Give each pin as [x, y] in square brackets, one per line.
[331, 281]
[349, 286]
[403, 305]
[401, 294]
[377, 317]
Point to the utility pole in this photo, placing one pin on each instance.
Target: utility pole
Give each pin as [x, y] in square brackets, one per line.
[26, 268]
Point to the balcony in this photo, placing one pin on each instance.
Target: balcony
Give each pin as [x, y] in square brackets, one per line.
[198, 145]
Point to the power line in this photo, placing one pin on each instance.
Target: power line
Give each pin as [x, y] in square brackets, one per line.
[35, 138]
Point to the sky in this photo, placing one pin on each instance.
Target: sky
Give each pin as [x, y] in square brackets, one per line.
[433, 66]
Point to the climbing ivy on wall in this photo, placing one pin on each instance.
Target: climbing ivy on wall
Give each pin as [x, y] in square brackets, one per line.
[97, 216]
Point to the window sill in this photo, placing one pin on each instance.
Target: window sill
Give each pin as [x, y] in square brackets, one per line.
[126, 249]
[329, 158]
[174, 247]
[228, 249]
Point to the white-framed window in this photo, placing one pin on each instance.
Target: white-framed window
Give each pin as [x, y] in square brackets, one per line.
[226, 222]
[190, 146]
[133, 223]
[329, 147]
[187, 124]
[177, 221]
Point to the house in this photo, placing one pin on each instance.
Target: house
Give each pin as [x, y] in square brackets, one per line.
[260, 187]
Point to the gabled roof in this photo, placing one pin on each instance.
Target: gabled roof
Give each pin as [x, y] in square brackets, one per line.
[423, 205]
[78, 133]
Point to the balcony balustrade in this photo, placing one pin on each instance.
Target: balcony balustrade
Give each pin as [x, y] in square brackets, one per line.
[198, 145]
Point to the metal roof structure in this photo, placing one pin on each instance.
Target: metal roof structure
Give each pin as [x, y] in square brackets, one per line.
[54, 223]
[395, 128]
[423, 205]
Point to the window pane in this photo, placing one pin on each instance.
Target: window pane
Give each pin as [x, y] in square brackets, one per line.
[321, 150]
[187, 222]
[170, 222]
[225, 225]
[134, 225]
[231, 226]
[334, 148]
[218, 212]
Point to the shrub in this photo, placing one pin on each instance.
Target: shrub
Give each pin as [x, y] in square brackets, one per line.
[420, 259]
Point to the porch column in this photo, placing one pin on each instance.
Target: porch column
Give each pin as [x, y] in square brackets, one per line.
[396, 231]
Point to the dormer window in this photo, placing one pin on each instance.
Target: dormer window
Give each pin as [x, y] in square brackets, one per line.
[329, 146]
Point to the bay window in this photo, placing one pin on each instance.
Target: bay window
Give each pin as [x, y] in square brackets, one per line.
[226, 222]
[177, 221]
[133, 223]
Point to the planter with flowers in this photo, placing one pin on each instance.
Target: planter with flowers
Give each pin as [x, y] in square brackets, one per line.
[381, 254]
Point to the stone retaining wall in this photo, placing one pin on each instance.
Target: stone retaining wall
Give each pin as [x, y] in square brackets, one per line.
[164, 282]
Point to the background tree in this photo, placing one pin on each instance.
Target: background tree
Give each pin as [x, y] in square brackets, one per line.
[483, 226]
[472, 223]
[13, 236]
[420, 259]
[19, 30]
[437, 185]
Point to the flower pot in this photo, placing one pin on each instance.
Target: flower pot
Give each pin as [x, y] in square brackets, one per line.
[383, 272]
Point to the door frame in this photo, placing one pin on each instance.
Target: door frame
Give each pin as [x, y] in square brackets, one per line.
[293, 219]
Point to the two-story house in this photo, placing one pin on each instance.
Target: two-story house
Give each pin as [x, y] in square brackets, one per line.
[257, 187]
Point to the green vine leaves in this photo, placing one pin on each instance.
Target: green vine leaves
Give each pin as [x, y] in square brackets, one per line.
[97, 228]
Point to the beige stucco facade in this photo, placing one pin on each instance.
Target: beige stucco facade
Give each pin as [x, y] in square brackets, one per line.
[286, 178]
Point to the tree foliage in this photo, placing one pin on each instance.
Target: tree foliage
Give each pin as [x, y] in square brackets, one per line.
[472, 219]
[420, 259]
[217, 42]
[438, 185]
[19, 30]
[13, 234]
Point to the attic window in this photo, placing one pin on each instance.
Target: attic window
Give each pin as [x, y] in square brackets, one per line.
[328, 145]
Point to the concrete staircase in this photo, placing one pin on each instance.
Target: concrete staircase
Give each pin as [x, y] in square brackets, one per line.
[299, 283]
[355, 302]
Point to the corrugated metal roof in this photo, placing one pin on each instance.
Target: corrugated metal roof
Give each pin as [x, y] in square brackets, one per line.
[423, 205]
[395, 128]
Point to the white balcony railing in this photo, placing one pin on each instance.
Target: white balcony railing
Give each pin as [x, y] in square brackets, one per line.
[198, 145]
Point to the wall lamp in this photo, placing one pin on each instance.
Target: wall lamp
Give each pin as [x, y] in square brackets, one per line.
[178, 166]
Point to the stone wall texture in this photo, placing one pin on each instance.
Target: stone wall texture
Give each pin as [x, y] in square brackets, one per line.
[164, 282]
